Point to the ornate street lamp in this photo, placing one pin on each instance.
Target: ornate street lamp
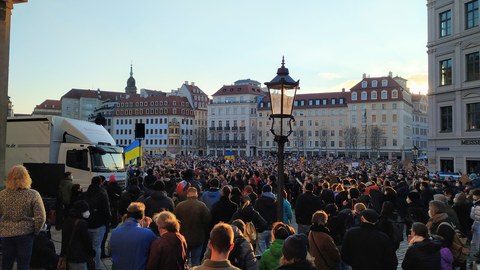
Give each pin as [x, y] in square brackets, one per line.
[415, 156]
[282, 90]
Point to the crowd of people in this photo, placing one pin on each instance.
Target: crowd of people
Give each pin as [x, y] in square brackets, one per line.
[212, 213]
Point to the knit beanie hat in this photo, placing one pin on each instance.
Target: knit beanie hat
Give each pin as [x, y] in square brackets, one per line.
[267, 188]
[159, 185]
[295, 246]
[370, 215]
[413, 196]
[81, 206]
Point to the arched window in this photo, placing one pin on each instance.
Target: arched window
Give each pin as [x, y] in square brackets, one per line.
[364, 95]
[374, 95]
[384, 94]
[395, 93]
[374, 83]
[354, 96]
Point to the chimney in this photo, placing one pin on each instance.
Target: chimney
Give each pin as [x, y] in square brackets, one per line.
[192, 83]
[343, 90]
[186, 82]
[390, 74]
[364, 75]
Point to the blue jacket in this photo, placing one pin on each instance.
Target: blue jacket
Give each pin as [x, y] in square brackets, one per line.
[210, 197]
[130, 245]
[287, 212]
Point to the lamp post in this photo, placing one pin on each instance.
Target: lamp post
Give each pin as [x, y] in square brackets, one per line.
[415, 156]
[282, 90]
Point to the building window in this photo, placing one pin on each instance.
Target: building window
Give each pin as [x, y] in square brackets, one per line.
[354, 96]
[446, 72]
[364, 96]
[395, 94]
[364, 84]
[374, 83]
[384, 94]
[374, 94]
[394, 130]
[384, 83]
[473, 116]
[471, 14]
[446, 23]
[473, 66]
[394, 118]
[446, 119]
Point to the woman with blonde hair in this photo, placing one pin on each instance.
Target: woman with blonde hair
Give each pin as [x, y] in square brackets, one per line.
[170, 242]
[22, 216]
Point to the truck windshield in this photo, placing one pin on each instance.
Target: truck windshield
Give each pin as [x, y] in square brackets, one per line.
[107, 161]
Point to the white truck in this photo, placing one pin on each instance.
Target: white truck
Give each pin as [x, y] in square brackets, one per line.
[86, 149]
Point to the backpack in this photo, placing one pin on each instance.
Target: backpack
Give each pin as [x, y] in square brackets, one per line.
[398, 229]
[459, 246]
[250, 233]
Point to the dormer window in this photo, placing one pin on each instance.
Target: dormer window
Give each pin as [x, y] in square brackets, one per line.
[295, 103]
[374, 95]
[374, 83]
[384, 94]
[364, 95]
[364, 84]
[354, 96]
[333, 101]
[384, 83]
[341, 101]
[324, 101]
[395, 93]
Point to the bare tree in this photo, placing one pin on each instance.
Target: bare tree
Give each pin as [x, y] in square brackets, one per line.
[324, 138]
[350, 137]
[375, 137]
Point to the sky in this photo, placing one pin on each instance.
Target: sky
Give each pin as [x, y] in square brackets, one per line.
[57, 45]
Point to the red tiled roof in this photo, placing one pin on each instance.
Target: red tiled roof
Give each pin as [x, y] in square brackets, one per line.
[50, 104]
[228, 90]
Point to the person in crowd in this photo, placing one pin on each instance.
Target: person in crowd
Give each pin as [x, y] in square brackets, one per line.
[130, 243]
[187, 182]
[212, 195]
[242, 254]
[132, 194]
[221, 243]
[475, 216]
[224, 209]
[248, 191]
[322, 246]
[437, 214]
[426, 193]
[247, 213]
[99, 218]
[416, 211]
[306, 205]
[22, 216]
[236, 195]
[64, 198]
[358, 208]
[462, 208]
[448, 209]
[158, 200]
[271, 257]
[423, 252]
[295, 253]
[266, 205]
[114, 191]
[195, 219]
[390, 224]
[287, 209]
[170, 242]
[363, 241]
[44, 255]
[150, 179]
[77, 245]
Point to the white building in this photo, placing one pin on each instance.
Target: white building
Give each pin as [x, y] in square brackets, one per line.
[232, 116]
[454, 80]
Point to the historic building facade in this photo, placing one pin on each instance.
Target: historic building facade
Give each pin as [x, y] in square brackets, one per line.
[454, 81]
[232, 119]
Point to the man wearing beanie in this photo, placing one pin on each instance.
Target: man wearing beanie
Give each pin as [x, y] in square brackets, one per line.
[416, 211]
[158, 200]
[295, 253]
[266, 206]
[130, 242]
[360, 243]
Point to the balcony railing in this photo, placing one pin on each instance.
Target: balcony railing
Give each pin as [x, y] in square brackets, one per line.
[226, 128]
[219, 128]
[242, 128]
[234, 128]
[212, 128]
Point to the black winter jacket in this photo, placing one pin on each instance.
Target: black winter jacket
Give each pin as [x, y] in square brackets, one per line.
[306, 205]
[99, 206]
[267, 208]
[80, 249]
[157, 202]
[423, 255]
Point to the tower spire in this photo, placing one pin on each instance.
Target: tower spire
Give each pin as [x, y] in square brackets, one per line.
[131, 70]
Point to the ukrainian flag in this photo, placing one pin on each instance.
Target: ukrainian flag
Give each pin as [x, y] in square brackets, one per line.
[133, 152]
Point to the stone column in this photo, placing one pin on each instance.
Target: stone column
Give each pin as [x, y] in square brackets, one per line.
[6, 7]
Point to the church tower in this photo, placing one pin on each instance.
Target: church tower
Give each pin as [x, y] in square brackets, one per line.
[131, 89]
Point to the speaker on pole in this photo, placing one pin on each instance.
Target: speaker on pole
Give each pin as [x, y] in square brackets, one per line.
[139, 130]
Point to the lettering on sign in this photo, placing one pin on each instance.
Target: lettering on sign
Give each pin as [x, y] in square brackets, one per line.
[470, 142]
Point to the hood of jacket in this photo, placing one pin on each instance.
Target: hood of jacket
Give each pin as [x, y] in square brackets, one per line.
[276, 248]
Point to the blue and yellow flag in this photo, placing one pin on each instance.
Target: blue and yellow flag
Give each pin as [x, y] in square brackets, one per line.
[133, 152]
